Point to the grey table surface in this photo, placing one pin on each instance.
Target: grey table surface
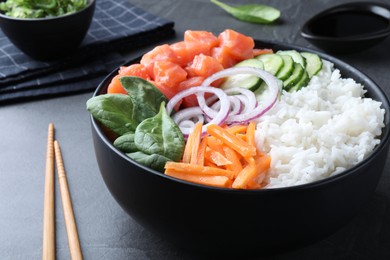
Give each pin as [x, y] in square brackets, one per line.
[105, 230]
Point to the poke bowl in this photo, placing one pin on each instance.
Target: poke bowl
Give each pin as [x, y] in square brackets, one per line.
[229, 221]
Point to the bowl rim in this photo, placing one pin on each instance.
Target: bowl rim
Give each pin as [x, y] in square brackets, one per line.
[369, 7]
[385, 136]
[10, 18]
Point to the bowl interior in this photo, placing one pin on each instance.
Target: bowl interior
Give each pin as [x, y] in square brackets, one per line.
[346, 70]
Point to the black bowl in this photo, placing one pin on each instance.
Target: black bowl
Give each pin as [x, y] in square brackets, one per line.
[224, 221]
[48, 38]
[349, 28]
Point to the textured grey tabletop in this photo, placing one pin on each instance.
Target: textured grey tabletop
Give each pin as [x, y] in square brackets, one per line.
[105, 230]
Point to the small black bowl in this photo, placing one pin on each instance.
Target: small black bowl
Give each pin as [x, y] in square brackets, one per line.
[48, 38]
[349, 28]
[238, 222]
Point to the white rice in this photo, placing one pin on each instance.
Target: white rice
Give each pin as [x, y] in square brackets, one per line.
[319, 131]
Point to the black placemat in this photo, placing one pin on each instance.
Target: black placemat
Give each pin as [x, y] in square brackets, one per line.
[117, 25]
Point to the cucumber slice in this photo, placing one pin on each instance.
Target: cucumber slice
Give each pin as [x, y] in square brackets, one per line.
[272, 62]
[250, 82]
[286, 70]
[295, 55]
[301, 83]
[295, 76]
[314, 63]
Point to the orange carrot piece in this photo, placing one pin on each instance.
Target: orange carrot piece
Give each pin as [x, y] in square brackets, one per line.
[251, 171]
[191, 141]
[215, 144]
[235, 129]
[192, 169]
[216, 181]
[232, 156]
[250, 134]
[232, 141]
[201, 151]
[216, 157]
[197, 134]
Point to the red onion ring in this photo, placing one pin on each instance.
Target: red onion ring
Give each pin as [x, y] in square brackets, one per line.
[218, 119]
[260, 109]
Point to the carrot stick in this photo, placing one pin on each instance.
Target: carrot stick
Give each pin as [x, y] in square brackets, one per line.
[232, 156]
[250, 134]
[216, 181]
[251, 171]
[197, 169]
[197, 132]
[201, 152]
[232, 141]
[237, 129]
[216, 157]
[191, 141]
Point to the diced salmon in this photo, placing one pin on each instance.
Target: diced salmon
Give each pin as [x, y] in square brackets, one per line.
[203, 66]
[137, 70]
[168, 74]
[115, 86]
[257, 52]
[239, 45]
[223, 56]
[190, 101]
[186, 51]
[203, 37]
[159, 53]
[167, 91]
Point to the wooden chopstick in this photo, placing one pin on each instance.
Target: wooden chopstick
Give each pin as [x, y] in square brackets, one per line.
[48, 248]
[70, 223]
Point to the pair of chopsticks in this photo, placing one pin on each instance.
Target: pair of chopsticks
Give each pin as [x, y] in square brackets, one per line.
[53, 150]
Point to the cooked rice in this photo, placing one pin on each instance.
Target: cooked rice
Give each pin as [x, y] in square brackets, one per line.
[319, 131]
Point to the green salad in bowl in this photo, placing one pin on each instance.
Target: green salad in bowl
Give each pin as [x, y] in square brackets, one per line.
[41, 9]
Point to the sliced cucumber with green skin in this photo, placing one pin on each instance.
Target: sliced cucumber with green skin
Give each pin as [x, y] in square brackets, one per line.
[295, 55]
[295, 77]
[247, 81]
[314, 63]
[288, 66]
[301, 83]
[272, 62]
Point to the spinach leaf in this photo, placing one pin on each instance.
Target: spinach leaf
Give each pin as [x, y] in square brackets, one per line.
[125, 143]
[154, 161]
[146, 97]
[253, 13]
[160, 135]
[115, 111]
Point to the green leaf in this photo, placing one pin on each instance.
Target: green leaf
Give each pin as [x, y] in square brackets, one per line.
[125, 143]
[253, 13]
[146, 97]
[160, 135]
[154, 161]
[115, 111]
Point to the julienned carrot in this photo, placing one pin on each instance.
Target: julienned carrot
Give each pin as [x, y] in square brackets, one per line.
[197, 169]
[250, 133]
[216, 157]
[232, 141]
[222, 153]
[232, 156]
[197, 134]
[201, 151]
[235, 129]
[217, 181]
[192, 143]
[251, 171]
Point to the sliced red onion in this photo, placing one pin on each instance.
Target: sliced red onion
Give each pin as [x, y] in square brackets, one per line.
[219, 118]
[260, 109]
